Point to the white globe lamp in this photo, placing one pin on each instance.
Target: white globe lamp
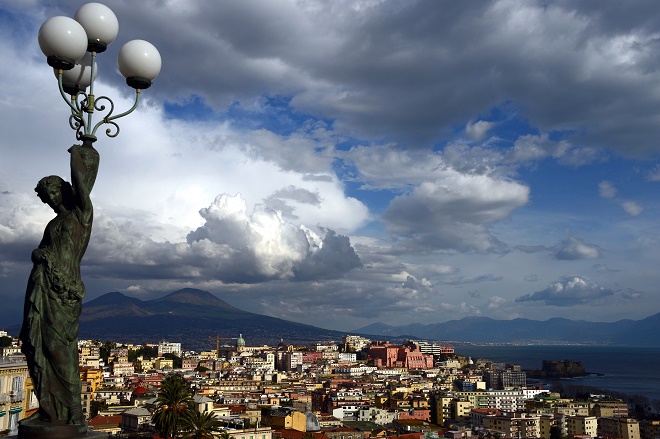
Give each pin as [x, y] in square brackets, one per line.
[100, 24]
[139, 62]
[63, 40]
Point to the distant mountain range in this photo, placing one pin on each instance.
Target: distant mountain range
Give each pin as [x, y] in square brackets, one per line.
[191, 316]
[197, 317]
[556, 331]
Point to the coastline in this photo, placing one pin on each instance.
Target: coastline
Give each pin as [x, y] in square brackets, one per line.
[629, 370]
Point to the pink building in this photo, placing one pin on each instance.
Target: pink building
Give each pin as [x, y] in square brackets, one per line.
[407, 356]
[419, 414]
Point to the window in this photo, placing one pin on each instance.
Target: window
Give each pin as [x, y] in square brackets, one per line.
[17, 385]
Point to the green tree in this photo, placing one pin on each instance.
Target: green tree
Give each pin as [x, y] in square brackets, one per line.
[171, 405]
[5, 342]
[198, 425]
[176, 360]
[147, 352]
[95, 407]
[105, 349]
[556, 433]
[225, 435]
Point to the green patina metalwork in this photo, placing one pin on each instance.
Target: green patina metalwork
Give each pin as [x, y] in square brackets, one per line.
[53, 300]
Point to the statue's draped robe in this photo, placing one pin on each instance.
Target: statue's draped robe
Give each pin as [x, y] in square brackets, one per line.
[53, 300]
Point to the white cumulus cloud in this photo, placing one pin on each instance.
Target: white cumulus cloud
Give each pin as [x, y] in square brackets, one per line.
[454, 213]
[575, 290]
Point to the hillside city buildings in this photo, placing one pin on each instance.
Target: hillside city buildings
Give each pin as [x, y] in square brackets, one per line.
[353, 389]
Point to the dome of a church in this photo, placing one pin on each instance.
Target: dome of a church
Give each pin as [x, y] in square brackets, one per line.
[312, 422]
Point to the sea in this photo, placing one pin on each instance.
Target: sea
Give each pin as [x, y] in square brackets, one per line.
[624, 369]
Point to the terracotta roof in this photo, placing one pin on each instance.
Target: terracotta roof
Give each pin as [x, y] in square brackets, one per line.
[140, 390]
[287, 433]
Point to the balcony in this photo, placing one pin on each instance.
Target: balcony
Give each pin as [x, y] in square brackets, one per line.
[12, 397]
[17, 396]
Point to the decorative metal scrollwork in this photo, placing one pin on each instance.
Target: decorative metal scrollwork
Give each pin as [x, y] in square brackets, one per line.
[84, 104]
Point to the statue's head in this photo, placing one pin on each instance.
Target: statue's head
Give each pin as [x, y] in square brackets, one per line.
[55, 192]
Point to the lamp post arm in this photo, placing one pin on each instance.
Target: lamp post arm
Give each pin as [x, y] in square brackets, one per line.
[109, 119]
[60, 84]
[126, 113]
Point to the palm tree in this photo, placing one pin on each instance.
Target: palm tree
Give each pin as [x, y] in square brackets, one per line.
[171, 405]
[198, 425]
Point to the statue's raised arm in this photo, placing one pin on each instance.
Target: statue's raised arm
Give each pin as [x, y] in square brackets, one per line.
[84, 167]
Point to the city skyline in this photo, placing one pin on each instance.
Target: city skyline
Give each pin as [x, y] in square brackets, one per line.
[344, 163]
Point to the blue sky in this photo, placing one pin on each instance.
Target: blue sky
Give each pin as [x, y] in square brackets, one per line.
[342, 163]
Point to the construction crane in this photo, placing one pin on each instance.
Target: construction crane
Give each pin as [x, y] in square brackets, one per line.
[217, 339]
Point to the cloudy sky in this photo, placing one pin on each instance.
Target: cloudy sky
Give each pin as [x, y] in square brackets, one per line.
[348, 162]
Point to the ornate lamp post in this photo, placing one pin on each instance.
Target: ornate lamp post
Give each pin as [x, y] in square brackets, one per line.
[53, 300]
[71, 46]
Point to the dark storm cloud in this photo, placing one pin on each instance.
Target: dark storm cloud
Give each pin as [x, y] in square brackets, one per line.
[335, 256]
[412, 69]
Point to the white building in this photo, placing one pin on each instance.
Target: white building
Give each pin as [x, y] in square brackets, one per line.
[165, 347]
[291, 360]
[531, 393]
[506, 400]
[347, 413]
[355, 342]
[324, 347]
[354, 371]
[377, 416]
[347, 357]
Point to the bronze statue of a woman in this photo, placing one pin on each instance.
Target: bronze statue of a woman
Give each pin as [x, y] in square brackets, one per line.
[53, 300]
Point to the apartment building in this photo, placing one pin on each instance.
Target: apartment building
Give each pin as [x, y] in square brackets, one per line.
[610, 409]
[165, 347]
[624, 428]
[550, 421]
[582, 426]
[515, 425]
[355, 343]
[13, 398]
[408, 356]
[504, 379]
[377, 415]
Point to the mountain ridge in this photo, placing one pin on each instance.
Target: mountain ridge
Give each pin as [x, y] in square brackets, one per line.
[476, 329]
[196, 317]
[191, 315]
